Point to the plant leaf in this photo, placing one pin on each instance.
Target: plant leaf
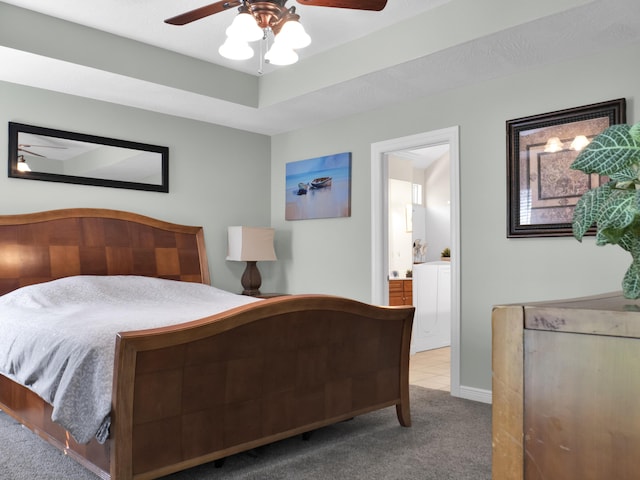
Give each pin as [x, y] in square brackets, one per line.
[634, 131]
[629, 242]
[634, 243]
[630, 239]
[616, 216]
[586, 210]
[628, 174]
[617, 226]
[618, 210]
[611, 151]
[631, 282]
[602, 237]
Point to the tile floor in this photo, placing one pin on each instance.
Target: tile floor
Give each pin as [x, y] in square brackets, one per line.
[431, 369]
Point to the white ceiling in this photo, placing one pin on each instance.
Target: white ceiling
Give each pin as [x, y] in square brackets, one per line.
[143, 20]
[423, 157]
[592, 27]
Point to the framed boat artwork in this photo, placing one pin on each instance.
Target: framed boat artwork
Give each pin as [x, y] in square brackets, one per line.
[319, 187]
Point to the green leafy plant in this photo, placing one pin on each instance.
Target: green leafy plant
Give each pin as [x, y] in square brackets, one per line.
[445, 253]
[613, 207]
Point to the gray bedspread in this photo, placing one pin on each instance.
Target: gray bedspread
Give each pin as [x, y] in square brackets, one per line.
[58, 338]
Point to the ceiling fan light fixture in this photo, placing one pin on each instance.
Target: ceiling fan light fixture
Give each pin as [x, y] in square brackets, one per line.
[245, 28]
[235, 49]
[293, 35]
[281, 55]
[23, 166]
[258, 19]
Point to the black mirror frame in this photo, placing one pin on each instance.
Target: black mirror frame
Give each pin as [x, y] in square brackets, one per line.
[16, 128]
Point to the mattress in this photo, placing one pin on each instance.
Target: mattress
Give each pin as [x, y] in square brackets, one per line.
[58, 338]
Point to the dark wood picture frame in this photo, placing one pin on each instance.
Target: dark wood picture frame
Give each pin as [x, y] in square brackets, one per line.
[541, 188]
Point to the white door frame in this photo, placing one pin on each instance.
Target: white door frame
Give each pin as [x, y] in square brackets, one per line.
[379, 225]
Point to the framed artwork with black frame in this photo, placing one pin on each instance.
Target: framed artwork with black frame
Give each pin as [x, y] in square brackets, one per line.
[542, 190]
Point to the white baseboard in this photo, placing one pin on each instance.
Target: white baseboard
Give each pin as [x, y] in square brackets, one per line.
[475, 394]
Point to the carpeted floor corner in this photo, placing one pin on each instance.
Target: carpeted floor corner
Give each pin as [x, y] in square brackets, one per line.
[450, 438]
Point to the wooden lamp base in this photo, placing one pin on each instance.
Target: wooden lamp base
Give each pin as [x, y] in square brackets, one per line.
[251, 279]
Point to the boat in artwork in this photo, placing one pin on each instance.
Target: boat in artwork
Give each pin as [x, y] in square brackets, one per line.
[302, 188]
[321, 182]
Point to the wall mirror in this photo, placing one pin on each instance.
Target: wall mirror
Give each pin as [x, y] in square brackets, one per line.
[39, 153]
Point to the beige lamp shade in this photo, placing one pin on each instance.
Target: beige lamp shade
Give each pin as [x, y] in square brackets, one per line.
[251, 244]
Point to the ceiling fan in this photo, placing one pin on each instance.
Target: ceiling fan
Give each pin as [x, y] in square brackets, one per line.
[260, 19]
[22, 164]
[267, 5]
[21, 148]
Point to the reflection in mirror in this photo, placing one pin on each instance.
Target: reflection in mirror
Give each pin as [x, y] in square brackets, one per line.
[39, 153]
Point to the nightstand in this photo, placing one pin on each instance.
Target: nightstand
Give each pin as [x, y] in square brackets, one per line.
[270, 295]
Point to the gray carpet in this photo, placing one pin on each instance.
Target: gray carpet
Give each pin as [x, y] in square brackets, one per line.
[450, 439]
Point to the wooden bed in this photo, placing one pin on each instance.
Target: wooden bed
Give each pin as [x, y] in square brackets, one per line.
[200, 391]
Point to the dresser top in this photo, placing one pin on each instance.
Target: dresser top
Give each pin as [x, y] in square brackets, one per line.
[606, 314]
[613, 301]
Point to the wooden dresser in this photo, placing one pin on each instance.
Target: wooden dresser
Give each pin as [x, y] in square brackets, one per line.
[566, 390]
[401, 292]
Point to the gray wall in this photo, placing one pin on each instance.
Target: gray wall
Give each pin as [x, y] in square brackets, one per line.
[208, 165]
[210, 186]
[438, 217]
[334, 255]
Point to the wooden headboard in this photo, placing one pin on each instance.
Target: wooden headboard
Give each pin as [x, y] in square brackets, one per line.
[39, 247]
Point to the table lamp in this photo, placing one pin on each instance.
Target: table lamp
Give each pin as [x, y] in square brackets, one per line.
[251, 245]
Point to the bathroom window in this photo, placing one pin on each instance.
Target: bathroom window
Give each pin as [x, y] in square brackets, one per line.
[416, 193]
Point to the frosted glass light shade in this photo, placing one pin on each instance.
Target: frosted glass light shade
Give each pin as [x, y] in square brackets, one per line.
[23, 166]
[281, 55]
[293, 35]
[244, 28]
[251, 244]
[235, 50]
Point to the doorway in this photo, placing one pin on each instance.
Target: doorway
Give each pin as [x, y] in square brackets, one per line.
[380, 225]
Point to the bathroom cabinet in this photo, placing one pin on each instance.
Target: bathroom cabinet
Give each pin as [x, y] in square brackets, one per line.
[401, 292]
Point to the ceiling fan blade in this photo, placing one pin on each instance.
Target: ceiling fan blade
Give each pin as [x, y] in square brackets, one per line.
[31, 153]
[38, 146]
[376, 5]
[202, 12]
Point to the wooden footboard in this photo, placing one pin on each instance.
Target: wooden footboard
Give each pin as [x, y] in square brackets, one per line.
[190, 394]
[196, 392]
[256, 374]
